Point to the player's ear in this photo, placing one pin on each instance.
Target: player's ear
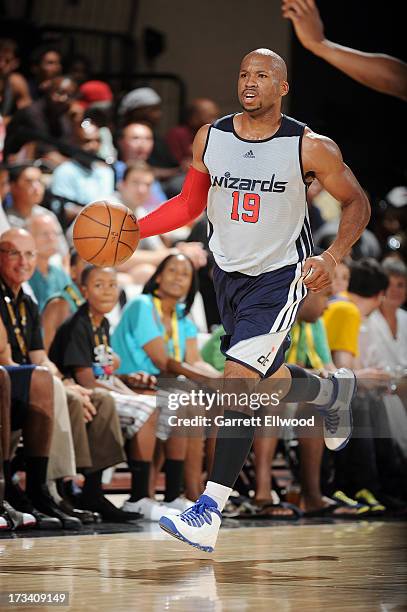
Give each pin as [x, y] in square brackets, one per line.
[284, 88]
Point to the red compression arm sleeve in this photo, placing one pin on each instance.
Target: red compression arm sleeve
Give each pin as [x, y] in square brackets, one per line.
[182, 209]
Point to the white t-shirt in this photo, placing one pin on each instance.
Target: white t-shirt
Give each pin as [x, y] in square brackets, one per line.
[378, 347]
[4, 224]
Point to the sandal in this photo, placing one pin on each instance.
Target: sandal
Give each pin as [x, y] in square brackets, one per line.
[361, 510]
[366, 497]
[272, 511]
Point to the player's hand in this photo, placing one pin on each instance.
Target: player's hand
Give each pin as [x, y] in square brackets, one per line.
[195, 251]
[317, 272]
[305, 18]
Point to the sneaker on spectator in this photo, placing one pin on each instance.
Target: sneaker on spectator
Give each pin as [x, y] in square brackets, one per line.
[180, 503]
[4, 524]
[19, 500]
[107, 510]
[150, 509]
[17, 519]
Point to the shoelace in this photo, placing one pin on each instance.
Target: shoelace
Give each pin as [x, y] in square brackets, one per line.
[199, 514]
[332, 420]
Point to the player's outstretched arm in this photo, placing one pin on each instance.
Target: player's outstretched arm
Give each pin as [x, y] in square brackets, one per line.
[187, 205]
[378, 71]
[322, 159]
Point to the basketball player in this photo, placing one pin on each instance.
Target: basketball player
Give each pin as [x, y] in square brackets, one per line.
[251, 170]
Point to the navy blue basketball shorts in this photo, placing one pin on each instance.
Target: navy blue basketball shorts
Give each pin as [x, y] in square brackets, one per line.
[257, 313]
[20, 378]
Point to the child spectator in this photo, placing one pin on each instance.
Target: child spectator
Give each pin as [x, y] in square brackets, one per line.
[81, 349]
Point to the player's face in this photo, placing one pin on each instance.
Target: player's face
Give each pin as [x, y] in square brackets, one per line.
[396, 292]
[176, 278]
[101, 290]
[18, 258]
[259, 84]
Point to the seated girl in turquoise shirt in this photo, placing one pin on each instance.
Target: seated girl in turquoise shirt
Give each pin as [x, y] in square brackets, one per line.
[154, 326]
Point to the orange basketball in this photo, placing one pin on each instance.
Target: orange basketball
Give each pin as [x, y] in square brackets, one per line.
[106, 234]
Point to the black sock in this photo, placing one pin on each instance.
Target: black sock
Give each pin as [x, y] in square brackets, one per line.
[304, 386]
[7, 478]
[36, 474]
[140, 479]
[232, 447]
[92, 486]
[174, 478]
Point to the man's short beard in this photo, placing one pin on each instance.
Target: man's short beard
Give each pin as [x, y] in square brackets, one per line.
[250, 110]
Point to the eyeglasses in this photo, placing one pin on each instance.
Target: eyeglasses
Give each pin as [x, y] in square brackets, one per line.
[13, 254]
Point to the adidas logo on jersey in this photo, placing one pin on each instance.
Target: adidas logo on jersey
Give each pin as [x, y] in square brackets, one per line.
[249, 155]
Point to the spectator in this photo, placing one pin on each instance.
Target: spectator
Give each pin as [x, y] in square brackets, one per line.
[79, 68]
[4, 184]
[46, 65]
[155, 326]
[81, 349]
[83, 184]
[180, 138]
[383, 344]
[356, 469]
[69, 429]
[156, 336]
[27, 191]
[21, 319]
[47, 278]
[27, 390]
[47, 117]
[144, 105]
[63, 303]
[134, 192]
[15, 94]
[96, 99]
[136, 142]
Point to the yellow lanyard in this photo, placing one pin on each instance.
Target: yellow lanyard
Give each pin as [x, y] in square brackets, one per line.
[311, 353]
[19, 332]
[77, 298]
[95, 330]
[176, 353]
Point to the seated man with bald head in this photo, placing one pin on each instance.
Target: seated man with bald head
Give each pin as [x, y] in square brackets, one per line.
[86, 429]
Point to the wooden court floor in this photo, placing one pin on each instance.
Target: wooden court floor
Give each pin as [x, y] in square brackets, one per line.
[334, 567]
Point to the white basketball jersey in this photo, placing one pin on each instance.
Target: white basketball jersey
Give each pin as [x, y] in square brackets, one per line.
[257, 209]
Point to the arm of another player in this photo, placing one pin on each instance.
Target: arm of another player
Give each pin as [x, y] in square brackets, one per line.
[190, 203]
[378, 71]
[322, 159]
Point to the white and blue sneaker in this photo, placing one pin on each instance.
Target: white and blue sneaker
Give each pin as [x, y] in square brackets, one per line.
[338, 413]
[197, 526]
